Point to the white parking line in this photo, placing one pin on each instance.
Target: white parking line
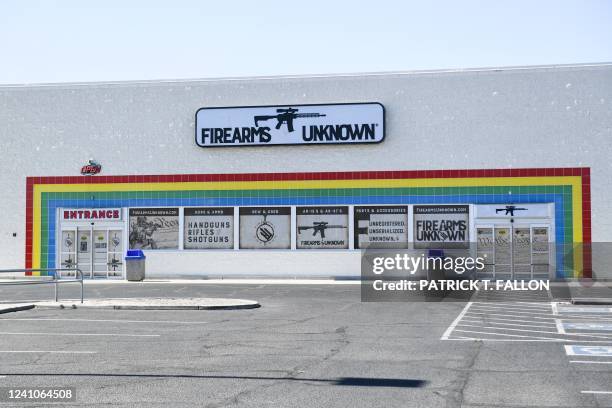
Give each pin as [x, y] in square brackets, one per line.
[592, 335]
[546, 318]
[469, 320]
[596, 392]
[589, 351]
[509, 315]
[590, 362]
[78, 334]
[495, 319]
[516, 312]
[534, 338]
[450, 329]
[105, 320]
[47, 351]
[596, 326]
[560, 327]
[508, 335]
[513, 305]
[555, 308]
[508, 329]
[575, 309]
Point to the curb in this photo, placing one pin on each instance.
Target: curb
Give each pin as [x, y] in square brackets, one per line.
[230, 307]
[243, 306]
[17, 308]
[591, 301]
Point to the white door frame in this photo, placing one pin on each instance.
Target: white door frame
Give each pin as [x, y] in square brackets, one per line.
[75, 226]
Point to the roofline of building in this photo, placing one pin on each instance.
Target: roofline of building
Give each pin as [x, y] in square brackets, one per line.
[310, 76]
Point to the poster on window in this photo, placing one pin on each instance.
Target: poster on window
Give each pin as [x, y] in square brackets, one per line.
[265, 227]
[502, 246]
[521, 246]
[208, 228]
[441, 226]
[68, 255]
[381, 226]
[540, 246]
[322, 227]
[154, 228]
[540, 239]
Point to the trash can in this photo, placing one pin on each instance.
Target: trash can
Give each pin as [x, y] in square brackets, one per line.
[436, 273]
[135, 265]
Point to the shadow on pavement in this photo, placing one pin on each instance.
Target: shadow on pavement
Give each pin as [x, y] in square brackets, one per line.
[345, 381]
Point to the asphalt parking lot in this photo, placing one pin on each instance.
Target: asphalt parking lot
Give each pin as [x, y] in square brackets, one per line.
[310, 346]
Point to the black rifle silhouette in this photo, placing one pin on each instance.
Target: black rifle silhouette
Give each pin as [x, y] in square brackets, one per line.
[286, 116]
[510, 209]
[319, 228]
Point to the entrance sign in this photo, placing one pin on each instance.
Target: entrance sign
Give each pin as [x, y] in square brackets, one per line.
[87, 214]
[322, 227]
[265, 227]
[154, 228]
[441, 226]
[381, 227]
[347, 123]
[211, 227]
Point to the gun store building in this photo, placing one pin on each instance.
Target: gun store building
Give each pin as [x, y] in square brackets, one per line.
[294, 176]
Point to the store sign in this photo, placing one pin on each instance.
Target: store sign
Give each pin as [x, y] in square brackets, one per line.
[381, 227]
[207, 228]
[93, 167]
[154, 228]
[441, 226]
[322, 227]
[265, 227]
[87, 214]
[348, 123]
[512, 210]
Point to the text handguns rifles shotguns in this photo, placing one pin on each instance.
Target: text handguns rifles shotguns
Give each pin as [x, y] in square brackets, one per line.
[510, 209]
[286, 116]
[319, 228]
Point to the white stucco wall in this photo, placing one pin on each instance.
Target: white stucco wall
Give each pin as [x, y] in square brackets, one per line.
[495, 118]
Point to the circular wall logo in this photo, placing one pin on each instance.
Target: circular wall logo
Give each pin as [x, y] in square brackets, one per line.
[265, 232]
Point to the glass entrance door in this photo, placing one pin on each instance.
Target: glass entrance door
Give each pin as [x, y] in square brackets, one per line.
[84, 257]
[68, 252]
[514, 251]
[96, 251]
[100, 252]
[115, 253]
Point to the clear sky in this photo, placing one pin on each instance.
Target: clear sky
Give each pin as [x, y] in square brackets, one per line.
[108, 40]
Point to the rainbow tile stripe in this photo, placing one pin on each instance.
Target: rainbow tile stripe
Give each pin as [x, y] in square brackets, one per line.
[567, 188]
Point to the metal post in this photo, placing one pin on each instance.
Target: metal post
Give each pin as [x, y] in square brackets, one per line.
[55, 285]
[81, 272]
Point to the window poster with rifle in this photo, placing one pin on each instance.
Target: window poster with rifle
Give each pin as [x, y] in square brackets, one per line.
[322, 227]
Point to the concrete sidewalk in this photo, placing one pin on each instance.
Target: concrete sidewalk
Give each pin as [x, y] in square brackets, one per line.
[138, 304]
